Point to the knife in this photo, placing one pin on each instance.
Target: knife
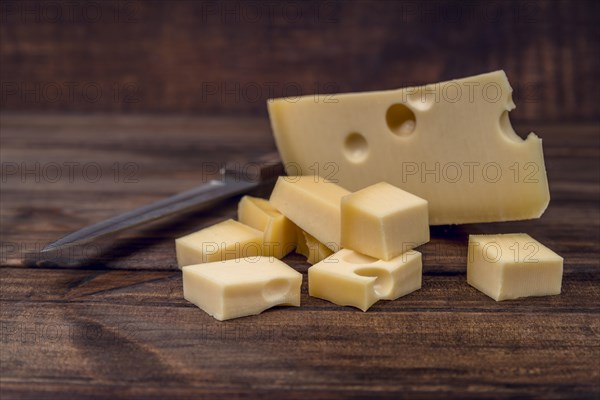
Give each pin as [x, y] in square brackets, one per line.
[234, 180]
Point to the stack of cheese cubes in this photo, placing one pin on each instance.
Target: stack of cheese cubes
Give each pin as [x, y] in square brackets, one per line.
[361, 245]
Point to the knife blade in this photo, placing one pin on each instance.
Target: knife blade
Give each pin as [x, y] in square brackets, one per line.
[235, 179]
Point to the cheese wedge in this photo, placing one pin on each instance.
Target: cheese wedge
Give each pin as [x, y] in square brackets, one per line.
[450, 143]
[237, 288]
[279, 232]
[512, 266]
[349, 278]
[223, 241]
[313, 204]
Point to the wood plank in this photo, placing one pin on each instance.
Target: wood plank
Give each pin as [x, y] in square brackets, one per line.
[116, 328]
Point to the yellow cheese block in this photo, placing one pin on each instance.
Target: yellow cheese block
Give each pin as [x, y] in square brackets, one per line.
[241, 287]
[279, 232]
[512, 266]
[450, 143]
[313, 204]
[349, 278]
[223, 241]
[383, 221]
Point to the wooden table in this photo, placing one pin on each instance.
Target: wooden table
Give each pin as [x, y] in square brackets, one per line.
[109, 319]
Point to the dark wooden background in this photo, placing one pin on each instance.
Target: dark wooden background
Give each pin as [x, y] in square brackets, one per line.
[229, 57]
[155, 95]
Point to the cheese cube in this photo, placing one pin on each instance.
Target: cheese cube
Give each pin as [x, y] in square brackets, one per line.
[314, 251]
[313, 204]
[237, 288]
[279, 232]
[349, 278]
[383, 221]
[512, 266]
[223, 241]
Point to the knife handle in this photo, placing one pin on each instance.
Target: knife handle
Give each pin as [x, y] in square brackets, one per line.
[265, 168]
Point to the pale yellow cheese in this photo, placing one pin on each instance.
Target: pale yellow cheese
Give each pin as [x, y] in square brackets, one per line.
[512, 266]
[301, 246]
[311, 248]
[383, 221]
[279, 232]
[450, 143]
[313, 204]
[317, 251]
[223, 241]
[349, 278]
[241, 287]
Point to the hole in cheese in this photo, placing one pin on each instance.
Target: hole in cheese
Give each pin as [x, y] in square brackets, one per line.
[383, 280]
[507, 129]
[276, 290]
[400, 119]
[356, 147]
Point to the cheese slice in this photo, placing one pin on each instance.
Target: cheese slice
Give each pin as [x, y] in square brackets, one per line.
[279, 232]
[313, 204]
[237, 288]
[383, 221]
[349, 278]
[450, 143]
[223, 241]
[512, 266]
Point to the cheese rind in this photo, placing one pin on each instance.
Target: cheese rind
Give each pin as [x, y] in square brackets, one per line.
[450, 143]
[349, 278]
[223, 241]
[279, 232]
[383, 221]
[512, 266]
[241, 287]
[313, 204]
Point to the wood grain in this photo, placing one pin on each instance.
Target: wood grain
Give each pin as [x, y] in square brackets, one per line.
[110, 320]
[228, 57]
[132, 333]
